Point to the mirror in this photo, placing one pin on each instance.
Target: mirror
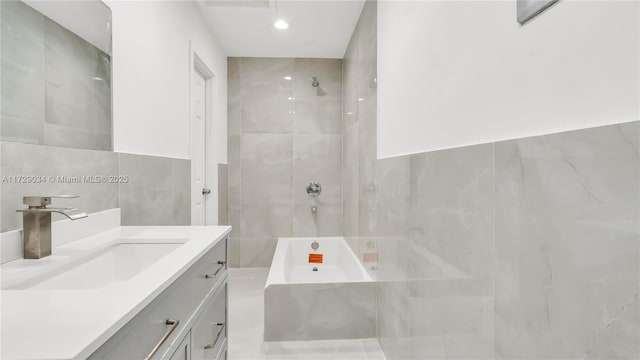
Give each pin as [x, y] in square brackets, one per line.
[56, 73]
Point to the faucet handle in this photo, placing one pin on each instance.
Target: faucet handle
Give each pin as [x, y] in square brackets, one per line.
[42, 201]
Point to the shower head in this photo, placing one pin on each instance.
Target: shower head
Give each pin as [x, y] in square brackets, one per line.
[314, 82]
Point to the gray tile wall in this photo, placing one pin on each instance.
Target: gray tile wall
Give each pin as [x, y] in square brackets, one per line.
[282, 135]
[157, 191]
[522, 249]
[56, 87]
[567, 226]
[51, 161]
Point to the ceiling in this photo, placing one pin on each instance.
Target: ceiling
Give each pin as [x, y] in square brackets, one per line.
[317, 28]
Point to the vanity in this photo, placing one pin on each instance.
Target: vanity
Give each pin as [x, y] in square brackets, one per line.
[131, 292]
[91, 288]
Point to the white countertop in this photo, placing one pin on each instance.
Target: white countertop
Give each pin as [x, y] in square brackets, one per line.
[72, 324]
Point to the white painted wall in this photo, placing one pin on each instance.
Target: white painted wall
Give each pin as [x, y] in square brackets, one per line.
[455, 73]
[151, 70]
[153, 46]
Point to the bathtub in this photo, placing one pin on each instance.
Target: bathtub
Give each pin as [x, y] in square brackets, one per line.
[337, 301]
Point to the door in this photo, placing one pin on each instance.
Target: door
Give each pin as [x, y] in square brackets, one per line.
[199, 190]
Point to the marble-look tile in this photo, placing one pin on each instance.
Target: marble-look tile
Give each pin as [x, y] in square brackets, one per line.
[372, 349]
[452, 211]
[267, 169]
[21, 130]
[391, 197]
[102, 141]
[367, 182]
[349, 87]
[318, 110]
[319, 311]
[384, 215]
[58, 135]
[393, 318]
[102, 94]
[234, 184]
[27, 159]
[267, 220]
[451, 258]
[271, 160]
[325, 221]
[317, 158]
[267, 98]
[147, 198]
[70, 68]
[266, 185]
[181, 191]
[234, 97]
[257, 252]
[246, 312]
[366, 61]
[235, 220]
[233, 253]
[567, 252]
[223, 194]
[350, 182]
[158, 190]
[451, 326]
[22, 62]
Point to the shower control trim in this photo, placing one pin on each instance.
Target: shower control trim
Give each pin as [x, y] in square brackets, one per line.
[314, 189]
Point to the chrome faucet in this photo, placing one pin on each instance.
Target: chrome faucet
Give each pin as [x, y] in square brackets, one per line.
[36, 222]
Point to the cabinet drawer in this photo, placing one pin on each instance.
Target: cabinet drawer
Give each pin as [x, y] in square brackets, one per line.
[178, 302]
[210, 330]
[214, 265]
[183, 352]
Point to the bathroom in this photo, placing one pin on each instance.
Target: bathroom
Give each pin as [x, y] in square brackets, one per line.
[288, 179]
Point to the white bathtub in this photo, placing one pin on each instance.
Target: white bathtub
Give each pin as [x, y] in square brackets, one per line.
[335, 302]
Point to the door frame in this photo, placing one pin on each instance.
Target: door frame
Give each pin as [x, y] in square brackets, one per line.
[197, 64]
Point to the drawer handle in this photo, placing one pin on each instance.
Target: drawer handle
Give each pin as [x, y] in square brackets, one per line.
[221, 263]
[173, 324]
[211, 346]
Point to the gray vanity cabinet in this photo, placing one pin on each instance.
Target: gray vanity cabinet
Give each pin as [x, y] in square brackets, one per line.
[183, 352]
[181, 321]
[209, 337]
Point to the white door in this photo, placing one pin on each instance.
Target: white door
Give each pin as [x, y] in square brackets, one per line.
[199, 190]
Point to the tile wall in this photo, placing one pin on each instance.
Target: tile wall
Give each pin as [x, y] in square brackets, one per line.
[521, 249]
[283, 133]
[156, 192]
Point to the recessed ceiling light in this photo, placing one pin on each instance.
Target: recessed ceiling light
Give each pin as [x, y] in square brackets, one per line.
[280, 24]
[360, 99]
[287, 77]
[291, 98]
[350, 113]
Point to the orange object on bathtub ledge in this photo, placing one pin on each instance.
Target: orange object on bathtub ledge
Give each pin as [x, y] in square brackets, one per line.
[315, 258]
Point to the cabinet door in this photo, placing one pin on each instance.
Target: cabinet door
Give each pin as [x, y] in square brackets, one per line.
[209, 334]
[183, 352]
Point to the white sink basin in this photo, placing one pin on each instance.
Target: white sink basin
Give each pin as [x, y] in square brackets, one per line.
[115, 263]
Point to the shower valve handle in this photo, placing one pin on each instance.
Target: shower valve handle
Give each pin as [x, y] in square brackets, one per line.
[314, 189]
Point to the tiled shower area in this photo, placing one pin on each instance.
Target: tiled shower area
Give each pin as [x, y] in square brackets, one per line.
[525, 248]
[283, 134]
